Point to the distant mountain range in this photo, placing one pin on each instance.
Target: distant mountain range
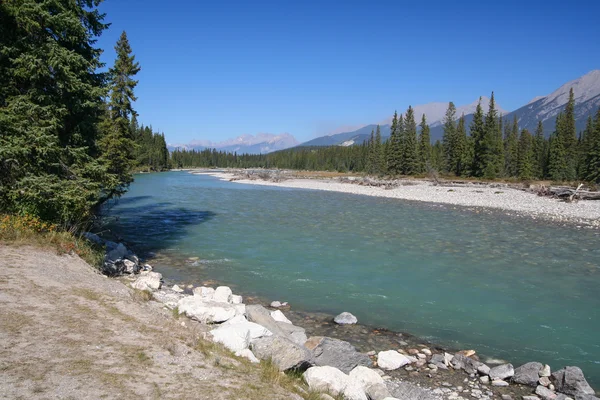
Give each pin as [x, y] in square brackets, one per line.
[544, 108]
[261, 143]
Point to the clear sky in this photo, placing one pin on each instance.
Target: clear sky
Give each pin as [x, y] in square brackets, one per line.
[218, 69]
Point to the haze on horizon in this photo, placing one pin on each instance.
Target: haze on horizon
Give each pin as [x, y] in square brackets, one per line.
[214, 71]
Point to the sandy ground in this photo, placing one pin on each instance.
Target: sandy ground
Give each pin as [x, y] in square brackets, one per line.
[67, 332]
[512, 201]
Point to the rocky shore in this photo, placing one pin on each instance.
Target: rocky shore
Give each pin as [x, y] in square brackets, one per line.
[497, 196]
[335, 367]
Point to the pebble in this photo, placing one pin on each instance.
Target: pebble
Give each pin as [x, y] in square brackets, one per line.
[275, 304]
[545, 372]
[545, 381]
[484, 379]
[499, 383]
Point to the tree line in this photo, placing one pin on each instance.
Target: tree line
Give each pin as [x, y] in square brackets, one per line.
[489, 148]
[67, 138]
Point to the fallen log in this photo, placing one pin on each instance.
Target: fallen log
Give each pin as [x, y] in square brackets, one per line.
[570, 194]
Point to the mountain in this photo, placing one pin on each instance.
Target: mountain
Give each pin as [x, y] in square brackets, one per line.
[434, 111]
[261, 143]
[546, 108]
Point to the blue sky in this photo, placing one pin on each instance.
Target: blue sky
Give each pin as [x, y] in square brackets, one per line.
[218, 69]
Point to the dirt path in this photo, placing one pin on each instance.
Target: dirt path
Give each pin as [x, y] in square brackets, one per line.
[67, 332]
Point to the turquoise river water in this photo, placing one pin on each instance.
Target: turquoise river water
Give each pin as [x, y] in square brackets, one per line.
[511, 288]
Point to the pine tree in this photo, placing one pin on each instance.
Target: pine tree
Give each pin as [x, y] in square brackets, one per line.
[568, 132]
[525, 160]
[449, 138]
[50, 103]
[370, 163]
[117, 143]
[378, 159]
[477, 129]
[492, 144]
[424, 146]
[393, 152]
[511, 148]
[592, 171]
[557, 160]
[584, 148]
[461, 165]
[539, 152]
[410, 159]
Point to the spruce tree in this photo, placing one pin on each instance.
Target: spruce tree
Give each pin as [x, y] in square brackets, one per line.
[449, 138]
[511, 148]
[539, 152]
[51, 99]
[568, 132]
[393, 153]
[525, 160]
[592, 154]
[461, 163]
[477, 129]
[370, 164]
[378, 160]
[557, 160]
[117, 143]
[424, 146]
[410, 158]
[492, 143]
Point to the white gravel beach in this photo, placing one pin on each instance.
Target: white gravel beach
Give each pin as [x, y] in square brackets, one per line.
[511, 201]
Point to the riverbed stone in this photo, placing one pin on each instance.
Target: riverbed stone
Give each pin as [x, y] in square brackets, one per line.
[377, 391]
[502, 372]
[236, 299]
[275, 304]
[499, 383]
[483, 369]
[365, 376]
[205, 292]
[528, 374]
[296, 334]
[545, 381]
[439, 361]
[168, 298]
[148, 281]
[177, 289]
[326, 379]
[336, 353]
[284, 353]
[223, 294]
[237, 337]
[546, 371]
[391, 360]
[207, 311]
[262, 316]
[544, 393]
[460, 361]
[280, 317]
[570, 380]
[345, 318]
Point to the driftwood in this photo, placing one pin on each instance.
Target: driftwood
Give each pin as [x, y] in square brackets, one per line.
[569, 194]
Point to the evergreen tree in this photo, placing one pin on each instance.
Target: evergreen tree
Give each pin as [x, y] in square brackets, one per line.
[592, 154]
[461, 165]
[492, 144]
[511, 149]
[378, 160]
[477, 129]
[539, 152]
[584, 148]
[424, 146]
[117, 143]
[51, 99]
[370, 164]
[557, 160]
[393, 153]
[449, 138]
[410, 158]
[525, 160]
[568, 132]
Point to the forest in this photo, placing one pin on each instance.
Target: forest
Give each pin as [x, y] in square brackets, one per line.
[490, 148]
[69, 138]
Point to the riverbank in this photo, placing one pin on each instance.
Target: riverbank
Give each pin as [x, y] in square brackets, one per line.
[479, 196]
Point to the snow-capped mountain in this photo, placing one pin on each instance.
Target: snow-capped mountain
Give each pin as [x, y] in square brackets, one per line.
[261, 143]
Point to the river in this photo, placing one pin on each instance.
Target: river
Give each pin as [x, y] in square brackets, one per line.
[509, 287]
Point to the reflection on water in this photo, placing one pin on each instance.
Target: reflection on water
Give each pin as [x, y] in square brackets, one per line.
[510, 288]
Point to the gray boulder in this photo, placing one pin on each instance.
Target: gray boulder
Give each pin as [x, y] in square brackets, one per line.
[295, 333]
[282, 352]
[336, 353]
[528, 374]
[570, 380]
[545, 393]
[377, 391]
[439, 361]
[467, 364]
[502, 372]
[262, 316]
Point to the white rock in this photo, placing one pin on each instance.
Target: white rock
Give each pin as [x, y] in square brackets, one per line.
[148, 281]
[206, 311]
[130, 266]
[275, 304]
[391, 360]
[235, 320]
[279, 316]
[247, 353]
[177, 289]
[326, 379]
[354, 391]
[236, 299]
[345, 318]
[237, 337]
[365, 376]
[545, 372]
[222, 294]
[499, 383]
[205, 292]
[426, 351]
